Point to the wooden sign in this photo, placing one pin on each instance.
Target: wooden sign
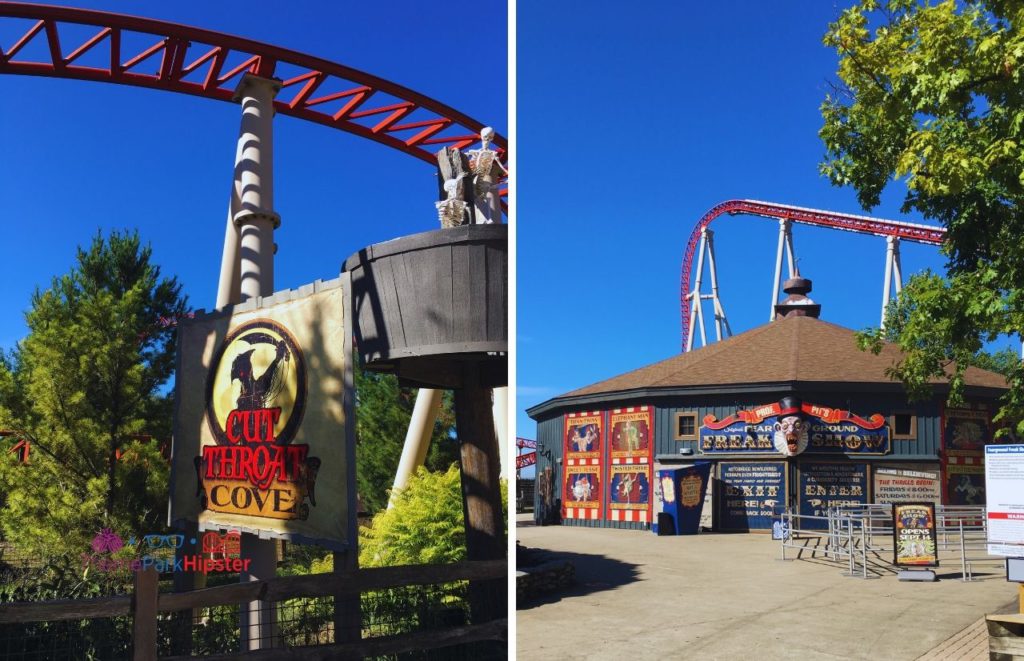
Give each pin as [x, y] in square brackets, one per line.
[263, 435]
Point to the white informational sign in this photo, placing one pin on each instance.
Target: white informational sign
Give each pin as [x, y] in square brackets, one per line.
[1004, 486]
[1006, 550]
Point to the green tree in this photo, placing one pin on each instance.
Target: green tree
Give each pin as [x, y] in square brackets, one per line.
[931, 95]
[383, 410]
[86, 384]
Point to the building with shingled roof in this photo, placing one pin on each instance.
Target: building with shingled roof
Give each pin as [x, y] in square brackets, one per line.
[789, 414]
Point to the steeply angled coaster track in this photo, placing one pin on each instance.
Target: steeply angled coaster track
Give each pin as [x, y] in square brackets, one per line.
[179, 58]
[830, 219]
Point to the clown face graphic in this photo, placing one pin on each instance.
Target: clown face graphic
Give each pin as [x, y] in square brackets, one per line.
[790, 436]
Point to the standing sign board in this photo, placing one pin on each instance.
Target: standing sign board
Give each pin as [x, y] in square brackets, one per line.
[913, 526]
[1004, 486]
[263, 430]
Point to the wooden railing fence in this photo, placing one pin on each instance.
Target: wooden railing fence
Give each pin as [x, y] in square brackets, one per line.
[146, 603]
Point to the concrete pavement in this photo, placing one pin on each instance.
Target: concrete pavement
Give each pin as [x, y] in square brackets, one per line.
[728, 596]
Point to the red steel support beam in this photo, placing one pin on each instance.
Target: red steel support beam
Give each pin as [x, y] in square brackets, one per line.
[180, 44]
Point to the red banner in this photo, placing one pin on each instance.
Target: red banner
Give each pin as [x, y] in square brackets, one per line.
[828, 415]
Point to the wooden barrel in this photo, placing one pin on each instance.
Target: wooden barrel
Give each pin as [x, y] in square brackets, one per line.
[433, 307]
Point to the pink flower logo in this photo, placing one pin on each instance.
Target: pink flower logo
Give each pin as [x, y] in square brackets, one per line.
[106, 541]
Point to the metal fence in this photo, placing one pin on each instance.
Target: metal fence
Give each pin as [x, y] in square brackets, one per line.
[860, 539]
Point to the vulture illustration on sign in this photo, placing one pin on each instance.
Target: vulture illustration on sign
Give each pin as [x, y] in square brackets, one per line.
[255, 399]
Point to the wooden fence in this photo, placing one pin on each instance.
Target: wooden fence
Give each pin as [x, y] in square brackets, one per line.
[146, 603]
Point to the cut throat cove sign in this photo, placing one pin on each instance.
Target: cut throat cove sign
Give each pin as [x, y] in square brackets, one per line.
[255, 398]
[262, 441]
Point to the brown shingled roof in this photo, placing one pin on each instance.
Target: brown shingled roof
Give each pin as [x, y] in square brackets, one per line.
[789, 349]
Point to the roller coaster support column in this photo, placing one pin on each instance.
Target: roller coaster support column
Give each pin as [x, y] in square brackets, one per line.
[417, 438]
[696, 314]
[716, 302]
[256, 220]
[892, 272]
[499, 410]
[785, 241]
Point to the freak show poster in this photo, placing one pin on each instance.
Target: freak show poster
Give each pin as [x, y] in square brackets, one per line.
[915, 539]
[582, 494]
[631, 436]
[629, 492]
[826, 485]
[263, 431]
[965, 429]
[584, 442]
[964, 476]
[583, 438]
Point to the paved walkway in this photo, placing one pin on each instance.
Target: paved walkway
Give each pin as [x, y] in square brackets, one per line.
[641, 596]
[971, 644]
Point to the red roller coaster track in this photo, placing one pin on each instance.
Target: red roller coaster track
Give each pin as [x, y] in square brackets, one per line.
[839, 221]
[190, 60]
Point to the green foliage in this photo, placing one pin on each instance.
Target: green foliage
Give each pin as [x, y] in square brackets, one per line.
[425, 526]
[383, 410]
[83, 385]
[931, 94]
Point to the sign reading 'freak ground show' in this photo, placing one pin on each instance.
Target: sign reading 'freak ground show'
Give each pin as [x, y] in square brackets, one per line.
[262, 431]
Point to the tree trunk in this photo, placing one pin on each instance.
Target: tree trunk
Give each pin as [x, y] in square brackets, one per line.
[111, 472]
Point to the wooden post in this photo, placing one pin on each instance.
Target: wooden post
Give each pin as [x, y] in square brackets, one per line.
[186, 581]
[144, 610]
[1020, 597]
[481, 493]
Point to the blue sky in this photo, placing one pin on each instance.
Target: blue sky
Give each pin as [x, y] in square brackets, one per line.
[632, 124]
[81, 156]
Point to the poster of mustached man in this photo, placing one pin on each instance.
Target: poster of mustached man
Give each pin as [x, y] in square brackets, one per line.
[584, 438]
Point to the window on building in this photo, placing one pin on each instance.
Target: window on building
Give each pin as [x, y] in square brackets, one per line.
[686, 426]
[904, 425]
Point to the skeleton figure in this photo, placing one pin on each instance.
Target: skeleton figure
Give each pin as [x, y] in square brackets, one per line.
[487, 170]
[455, 206]
[452, 211]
